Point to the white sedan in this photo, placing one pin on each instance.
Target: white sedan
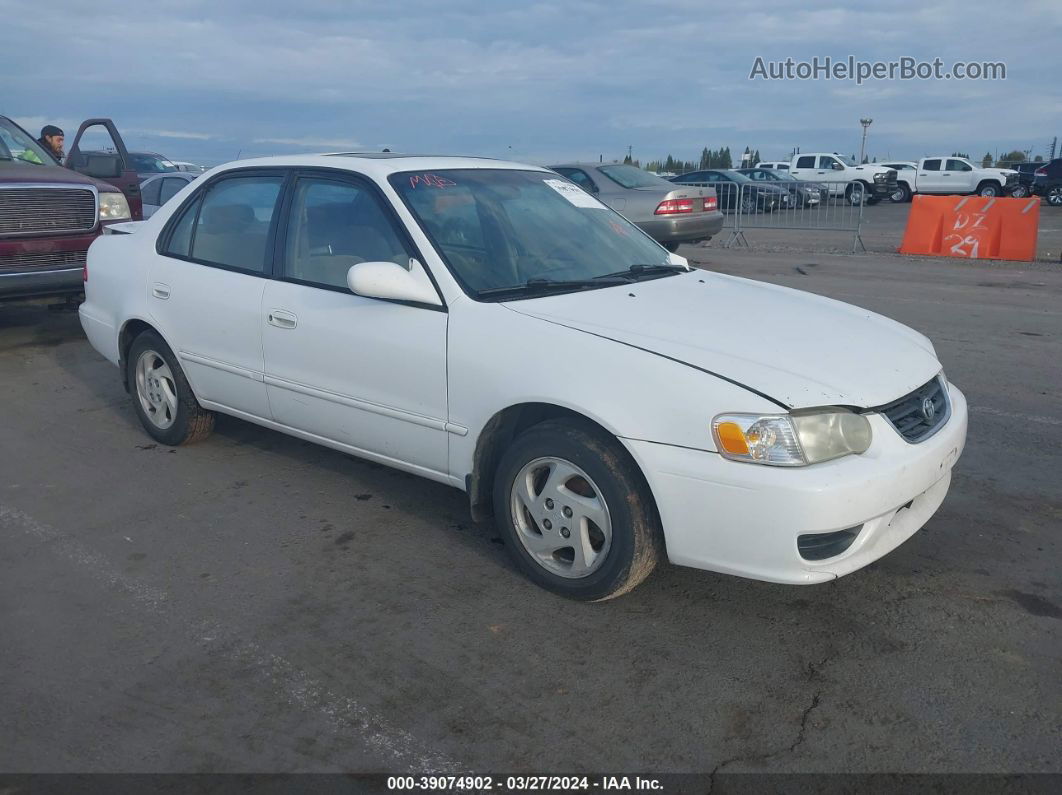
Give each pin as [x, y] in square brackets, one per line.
[491, 326]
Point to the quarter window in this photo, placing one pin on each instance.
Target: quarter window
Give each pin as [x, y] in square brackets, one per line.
[180, 243]
[334, 225]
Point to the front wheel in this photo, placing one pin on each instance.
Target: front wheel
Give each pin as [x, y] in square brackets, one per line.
[901, 194]
[1054, 196]
[1020, 192]
[989, 190]
[163, 400]
[855, 194]
[575, 512]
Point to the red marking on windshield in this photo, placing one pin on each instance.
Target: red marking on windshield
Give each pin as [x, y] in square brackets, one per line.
[432, 180]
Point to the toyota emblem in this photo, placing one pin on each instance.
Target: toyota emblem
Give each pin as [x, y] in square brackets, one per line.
[929, 409]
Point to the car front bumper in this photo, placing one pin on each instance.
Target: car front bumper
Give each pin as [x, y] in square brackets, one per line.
[682, 228]
[745, 519]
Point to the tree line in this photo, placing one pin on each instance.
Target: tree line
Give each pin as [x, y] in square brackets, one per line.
[710, 158]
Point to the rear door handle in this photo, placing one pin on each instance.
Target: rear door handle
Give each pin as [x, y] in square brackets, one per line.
[282, 318]
[160, 290]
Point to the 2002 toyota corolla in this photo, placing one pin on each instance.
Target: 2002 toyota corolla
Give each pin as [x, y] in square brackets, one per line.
[491, 326]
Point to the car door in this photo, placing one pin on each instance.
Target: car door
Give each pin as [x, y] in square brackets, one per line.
[805, 167]
[959, 175]
[207, 282]
[930, 176]
[98, 151]
[365, 373]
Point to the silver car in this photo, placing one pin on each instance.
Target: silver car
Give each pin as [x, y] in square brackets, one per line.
[157, 190]
[668, 213]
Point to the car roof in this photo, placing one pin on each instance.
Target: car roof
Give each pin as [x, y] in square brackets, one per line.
[379, 164]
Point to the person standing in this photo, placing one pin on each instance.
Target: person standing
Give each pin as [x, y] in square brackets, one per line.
[52, 139]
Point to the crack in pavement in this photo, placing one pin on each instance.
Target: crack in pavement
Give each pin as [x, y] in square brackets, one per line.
[812, 671]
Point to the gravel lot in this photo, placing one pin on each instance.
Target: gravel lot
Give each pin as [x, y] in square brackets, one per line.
[256, 603]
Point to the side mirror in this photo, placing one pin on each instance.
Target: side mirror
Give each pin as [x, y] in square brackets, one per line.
[675, 259]
[837, 166]
[393, 282]
[101, 166]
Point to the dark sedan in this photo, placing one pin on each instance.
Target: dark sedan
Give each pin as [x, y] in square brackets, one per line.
[738, 192]
[802, 194]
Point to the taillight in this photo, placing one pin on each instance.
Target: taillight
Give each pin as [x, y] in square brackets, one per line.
[1041, 172]
[711, 203]
[674, 206]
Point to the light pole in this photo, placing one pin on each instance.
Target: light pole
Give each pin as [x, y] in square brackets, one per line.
[863, 145]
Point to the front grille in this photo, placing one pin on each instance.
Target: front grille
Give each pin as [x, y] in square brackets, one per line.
[44, 259]
[920, 414]
[35, 211]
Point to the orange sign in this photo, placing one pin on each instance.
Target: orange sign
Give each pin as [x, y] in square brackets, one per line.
[972, 227]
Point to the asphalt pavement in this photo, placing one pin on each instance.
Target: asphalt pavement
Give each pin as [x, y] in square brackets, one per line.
[255, 603]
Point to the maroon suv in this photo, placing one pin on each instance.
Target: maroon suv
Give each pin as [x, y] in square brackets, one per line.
[50, 214]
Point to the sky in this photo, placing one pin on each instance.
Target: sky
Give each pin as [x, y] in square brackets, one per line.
[534, 81]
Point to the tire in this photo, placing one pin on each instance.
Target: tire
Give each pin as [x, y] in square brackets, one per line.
[1054, 196]
[901, 194]
[570, 471]
[989, 190]
[1020, 192]
[855, 194]
[162, 398]
[748, 204]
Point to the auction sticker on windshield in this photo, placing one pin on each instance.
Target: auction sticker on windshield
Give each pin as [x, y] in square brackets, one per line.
[575, 194]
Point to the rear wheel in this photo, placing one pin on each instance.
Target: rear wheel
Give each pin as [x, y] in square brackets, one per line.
[161, 395]
[575, 511]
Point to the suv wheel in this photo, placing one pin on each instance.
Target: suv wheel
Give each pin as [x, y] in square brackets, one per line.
[1054, 196]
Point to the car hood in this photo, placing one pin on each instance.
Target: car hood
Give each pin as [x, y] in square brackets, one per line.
[47, 175]
[799, 349]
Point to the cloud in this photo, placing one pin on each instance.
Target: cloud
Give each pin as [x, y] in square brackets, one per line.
[532, 80]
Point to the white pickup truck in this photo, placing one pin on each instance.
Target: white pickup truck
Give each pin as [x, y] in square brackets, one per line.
[950, 176]
[870, 182]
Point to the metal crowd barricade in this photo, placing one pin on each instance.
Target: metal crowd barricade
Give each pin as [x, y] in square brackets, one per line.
[828, 206]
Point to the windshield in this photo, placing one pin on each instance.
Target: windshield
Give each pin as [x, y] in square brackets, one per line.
[633, 177]
[17, 146]
[151, 164]
[499, 228]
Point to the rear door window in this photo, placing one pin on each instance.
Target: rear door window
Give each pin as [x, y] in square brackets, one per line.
[931, 165]
[808, 161]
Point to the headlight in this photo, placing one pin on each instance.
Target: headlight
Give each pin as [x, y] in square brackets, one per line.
[791, 440]
[114, 207]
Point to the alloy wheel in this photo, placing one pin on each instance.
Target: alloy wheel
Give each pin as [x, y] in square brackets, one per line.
[156, 389]
[561, 517]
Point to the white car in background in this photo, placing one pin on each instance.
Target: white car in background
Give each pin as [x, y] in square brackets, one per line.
[774, 165]
[157, 190]
[492, 326]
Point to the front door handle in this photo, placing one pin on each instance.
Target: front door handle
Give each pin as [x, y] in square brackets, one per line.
[160, 290]
[282, 319]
